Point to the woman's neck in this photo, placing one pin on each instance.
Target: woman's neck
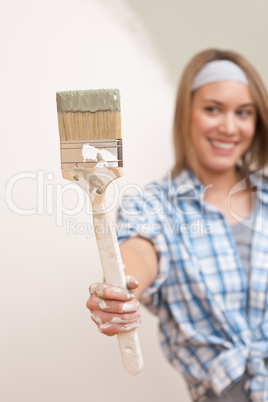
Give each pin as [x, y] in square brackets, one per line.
[221, 182]
[222, 191]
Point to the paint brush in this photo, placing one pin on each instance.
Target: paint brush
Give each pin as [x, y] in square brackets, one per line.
[91, 156]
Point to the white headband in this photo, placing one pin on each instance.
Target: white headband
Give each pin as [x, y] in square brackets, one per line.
[219, 70]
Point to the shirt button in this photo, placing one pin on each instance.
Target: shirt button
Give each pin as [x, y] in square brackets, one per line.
[230, 250]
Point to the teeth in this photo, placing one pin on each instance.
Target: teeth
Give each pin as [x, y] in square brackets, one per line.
[222, 145]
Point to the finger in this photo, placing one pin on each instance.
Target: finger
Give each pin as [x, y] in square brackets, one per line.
[132, 282]
[101, 317]
[111, 292]
[112, 306]
[114, 329]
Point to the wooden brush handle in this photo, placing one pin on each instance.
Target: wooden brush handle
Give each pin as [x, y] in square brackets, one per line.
[113, 269]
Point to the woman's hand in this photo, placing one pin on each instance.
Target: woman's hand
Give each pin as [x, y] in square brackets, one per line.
[114, 309]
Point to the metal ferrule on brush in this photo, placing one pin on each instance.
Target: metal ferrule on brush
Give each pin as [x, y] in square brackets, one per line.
[72, 154]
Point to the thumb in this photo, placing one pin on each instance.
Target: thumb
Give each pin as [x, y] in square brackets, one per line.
[132, 282]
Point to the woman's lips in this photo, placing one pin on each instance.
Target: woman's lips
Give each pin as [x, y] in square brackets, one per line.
[223, 146]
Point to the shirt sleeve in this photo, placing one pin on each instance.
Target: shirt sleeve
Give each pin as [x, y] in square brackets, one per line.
[142, 216]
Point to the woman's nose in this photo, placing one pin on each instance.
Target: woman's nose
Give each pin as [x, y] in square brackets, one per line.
[228, 124]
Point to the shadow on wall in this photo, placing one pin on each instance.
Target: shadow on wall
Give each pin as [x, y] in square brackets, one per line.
[178, 29]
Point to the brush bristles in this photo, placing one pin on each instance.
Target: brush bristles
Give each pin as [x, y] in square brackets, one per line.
[83, 126]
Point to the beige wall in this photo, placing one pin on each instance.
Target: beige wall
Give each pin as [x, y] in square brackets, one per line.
[50, 349]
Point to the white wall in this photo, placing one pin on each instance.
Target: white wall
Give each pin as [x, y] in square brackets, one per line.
[50, 349]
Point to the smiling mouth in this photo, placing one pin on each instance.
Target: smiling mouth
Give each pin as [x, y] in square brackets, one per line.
[222, 145]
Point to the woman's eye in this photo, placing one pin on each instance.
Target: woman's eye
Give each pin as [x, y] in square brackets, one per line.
[212, 109]
[243, 112]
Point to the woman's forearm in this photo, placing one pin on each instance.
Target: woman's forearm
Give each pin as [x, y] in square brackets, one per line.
[140, 260]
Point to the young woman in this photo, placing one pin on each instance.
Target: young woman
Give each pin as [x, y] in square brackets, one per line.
[197, 241]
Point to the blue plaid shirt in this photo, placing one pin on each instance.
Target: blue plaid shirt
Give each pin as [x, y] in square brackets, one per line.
[213, 324]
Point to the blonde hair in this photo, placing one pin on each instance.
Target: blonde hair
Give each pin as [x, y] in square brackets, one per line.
[257, 154]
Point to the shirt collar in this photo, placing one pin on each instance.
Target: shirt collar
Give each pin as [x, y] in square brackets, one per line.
[187, 184]
[260, 181]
